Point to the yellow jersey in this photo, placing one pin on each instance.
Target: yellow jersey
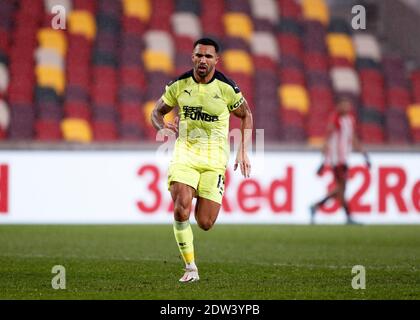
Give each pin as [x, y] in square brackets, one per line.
[204, 111]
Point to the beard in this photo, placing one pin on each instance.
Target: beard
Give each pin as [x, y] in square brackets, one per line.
[203, 71]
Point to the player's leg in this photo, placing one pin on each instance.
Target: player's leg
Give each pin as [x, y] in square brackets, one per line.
[206, 212]
[209, 198]
[341, 186]
[340, 177]
[182, 180]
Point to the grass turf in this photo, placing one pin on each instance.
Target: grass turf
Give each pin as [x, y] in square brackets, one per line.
[235, 262]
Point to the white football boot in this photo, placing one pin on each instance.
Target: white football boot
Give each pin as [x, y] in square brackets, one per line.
[190, 275]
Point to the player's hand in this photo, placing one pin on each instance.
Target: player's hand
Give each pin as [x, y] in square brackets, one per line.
[243, 162]
[320, 169]
[169, 126]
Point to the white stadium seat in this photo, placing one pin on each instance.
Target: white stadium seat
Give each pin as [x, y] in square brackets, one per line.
[265, 44]
[345, 80]
[160, 41]
[367, 46]
[67, 4]
[186, 24]
[4, 78]
[49, 57]
[265, 9]
[4, 115]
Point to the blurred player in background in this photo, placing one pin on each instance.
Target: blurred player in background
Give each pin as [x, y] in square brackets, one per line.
[205, 98]
[341, 139]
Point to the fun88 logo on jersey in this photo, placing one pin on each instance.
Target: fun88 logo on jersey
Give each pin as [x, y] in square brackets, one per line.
[196, 113]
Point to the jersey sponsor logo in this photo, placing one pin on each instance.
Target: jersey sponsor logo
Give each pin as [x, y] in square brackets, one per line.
[196, 113]
[189, 92]
[237, 104]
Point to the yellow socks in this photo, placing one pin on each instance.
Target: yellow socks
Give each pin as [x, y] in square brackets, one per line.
[184, 238]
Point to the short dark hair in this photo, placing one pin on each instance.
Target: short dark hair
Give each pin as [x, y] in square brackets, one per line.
[208, 42]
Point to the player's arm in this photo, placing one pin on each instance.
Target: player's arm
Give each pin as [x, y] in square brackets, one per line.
[357, 145]
[158, 114]
[244, 113]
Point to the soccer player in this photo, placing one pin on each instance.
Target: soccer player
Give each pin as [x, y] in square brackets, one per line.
[341, 138]
[205, 98]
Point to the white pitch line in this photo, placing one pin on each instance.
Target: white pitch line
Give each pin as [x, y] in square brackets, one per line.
[276, 264]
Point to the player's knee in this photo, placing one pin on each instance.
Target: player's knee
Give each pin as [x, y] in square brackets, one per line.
[205, 224]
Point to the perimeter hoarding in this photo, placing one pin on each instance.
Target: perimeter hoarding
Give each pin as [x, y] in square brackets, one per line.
[130, 187]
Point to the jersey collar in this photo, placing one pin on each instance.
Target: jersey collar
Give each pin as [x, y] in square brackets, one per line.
[195, 80]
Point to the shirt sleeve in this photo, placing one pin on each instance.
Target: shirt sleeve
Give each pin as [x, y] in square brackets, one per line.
[234, 98]
[170, 94]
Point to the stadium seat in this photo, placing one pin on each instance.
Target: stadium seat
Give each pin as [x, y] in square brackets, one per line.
[51, 77]
[82, 23]
[366, 46]
[238, 6]
[158, 61]
[294, 97]
[49, 4]
[289, 9]
[160, 42]
[341, 46]
[104, 130]
[315, 61]
[49, 57]
[186, 24]
[4, 78]
[22, 118]
[339, 25]
[265, 9]
[141, 9]
[4, 116]
[54, 39]
[47, 130]
[316, 10]
[76, 130]
[265, 44]
[77, 110]
[238, 25]
[413, 114]
[237, 61]
[188, 6]
[345, 80]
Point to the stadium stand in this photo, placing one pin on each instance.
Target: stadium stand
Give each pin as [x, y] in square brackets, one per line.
[98, 79]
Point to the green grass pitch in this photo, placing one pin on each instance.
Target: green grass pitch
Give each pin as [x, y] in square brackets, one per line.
[235, 262]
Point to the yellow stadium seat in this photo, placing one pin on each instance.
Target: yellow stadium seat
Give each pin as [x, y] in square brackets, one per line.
[340, 45]
[238, 61]
[55, 39]
[294, 97]
[316, 141]
[316, 10]
[82, 22]
[148, 108]
[141, 9]
[158, 61]
[238, 25]
[413, 114]
[48, 76]
[76, 130]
